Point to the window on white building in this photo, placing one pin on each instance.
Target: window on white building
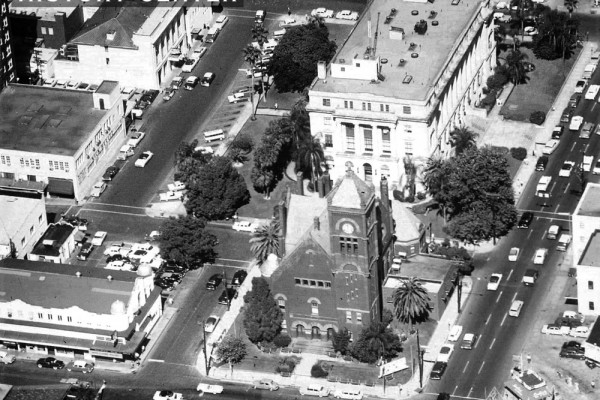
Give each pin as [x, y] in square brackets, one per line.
[406, 110]
[328, 140]
[69, 319]
[592, 305]
[327, 102]
[408, 147]
[327, 120]
[348, 104]
[591, 285]
[348, 316]
[386, 141]
[368, 137]
[40, 315]
[5, 160]
[349, 137]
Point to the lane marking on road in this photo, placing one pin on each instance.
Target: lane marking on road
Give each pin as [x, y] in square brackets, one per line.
[455, 389]
[592, 109]
[155, 360]
[514, 297]
[543, 234]
[499, 295]
[529, 234]
[480, 368]
[510, 274]
[586, 147]
[573, 146]
[567, 187]
[487, 320]
[465, 368]
[503, 319]
[492, 345]
[470, 391]
[556, 209]
[234, 260]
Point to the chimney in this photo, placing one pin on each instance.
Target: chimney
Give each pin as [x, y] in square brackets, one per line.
[282, 212]
[321, 187]
[316, 224]
[322, 70]
[383, 185]
[300, 183]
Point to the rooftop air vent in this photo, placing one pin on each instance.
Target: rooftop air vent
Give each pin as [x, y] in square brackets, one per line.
[110, 35]
[42, 278]
[407, 79]
[342, 61]
[396, 33]
[414, 55]
[414, 12]
[435, 23]
[48, 242]
[421, 27]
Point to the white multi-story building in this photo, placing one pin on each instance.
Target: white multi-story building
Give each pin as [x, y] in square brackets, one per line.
[59, 136]
[586, 250]
[135, 46]
[22, 222]
[391, 93]
[71, 311]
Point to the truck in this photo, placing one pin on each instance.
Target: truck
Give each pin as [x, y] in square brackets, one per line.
[531, 275]
[563, 242]
[542, 186]
[587, 163]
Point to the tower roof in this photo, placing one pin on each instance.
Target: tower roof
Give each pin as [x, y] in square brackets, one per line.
[351, 192]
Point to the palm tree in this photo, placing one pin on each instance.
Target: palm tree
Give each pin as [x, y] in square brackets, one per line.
[251, 56]
[316, 20]
[311, 155]
[411, 302]
[463, 138]
[515, 67]
[263, 180]
[571, 6]
[301, 122]
[265, 241]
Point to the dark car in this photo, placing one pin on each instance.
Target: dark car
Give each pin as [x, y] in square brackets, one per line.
[572, 352]
[110, 173]
[438, 370]
[566, 115]
[85, 251]
[541, 164]
[525, 220]
[572, 344]
[227, 296]
[172, 266]
[239, 277]
[50, 362]
[571, 323]
[117, 257]
[528, 66]
[207, 79]
[214, 281]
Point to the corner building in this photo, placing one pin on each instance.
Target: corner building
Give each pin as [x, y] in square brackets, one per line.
[391, 93]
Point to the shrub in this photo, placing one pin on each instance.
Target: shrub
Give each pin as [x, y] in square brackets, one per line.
[518, 153]
[421, 195]
[317, 371]
[282, 340]
[537, 117]
[410, 199]
[237, 155]
[244, 143]
[398, 195]
[287, 364]
[496, 81]
[489, 100]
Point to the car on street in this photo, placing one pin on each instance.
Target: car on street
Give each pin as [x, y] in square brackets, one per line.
[239, 277]
[596, 169]
[550, 146]
[592, 92]
[526, 219]
[438, 370]
[85, 251]
[513, 254]
[189, 64]
[322, 12]
[265, 384]
[566, 169]
[98, 189]
[576, 123]
[469, 341]
[221, 21]
[587, 163]
[566, 115]
[7, 358]
[553, 329]
[135, 139]
[214, 282]
[110, 173]
[494, 282]
[347, 15]
[199, 52]
[576, 353]
[238, 97]
[50, 362]
[191, 82]
[586, 131]
[455, 333]
[244, 226]
[98, 238]
[120, 265]
[541, 163]
[530, 31]
[558, 131]
[206, 388]
[167, 395]
[227, 296]
[315, 390]
[540, 256]
[177, 82]
[211, 323]
[143, 159]
[445, 353]
[580, 86]
[553, 232]
[168, 94]
[207, 79]
[80, 366]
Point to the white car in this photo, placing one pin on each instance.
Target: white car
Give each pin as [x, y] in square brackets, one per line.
[555, 330]
[592, 92]
[580, 331]
[171, 196]
[576, 122]
[315, 390]
[207, 79]
[167, 395]
[222, 21]
[596, 169]
[98, 238]
[580, 86]
[199, 52]
[502, 5]
[144, 158]
[206, 388]
[238, 97]
[587, 163]
[513, 254]
[176, 186]
[455, 332]
[550, 146]
[494, 282]
[245, 226]
[322, 12]
[265, 384]
[445, 353]
[287, 21]
[347, 14]
[119, 265]
[189, 64]
[566, 169]
[211, 323]
[112, 250]
[135, 139]
[6, 358]
[530, 31]
[177, 82]
[204, 150]
[98, 189]
[540, 256]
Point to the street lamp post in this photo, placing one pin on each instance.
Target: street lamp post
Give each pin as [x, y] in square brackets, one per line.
[493, 207]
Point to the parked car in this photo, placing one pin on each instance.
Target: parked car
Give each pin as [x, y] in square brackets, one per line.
[167, 395]
[191, 82]
[143, 159]
[526, 219]
[177, 82]
[455, 333]
[445, 353]
[80, 366]
[176, 186]
[227, 296]
[239, 277]
[513, 254]
[211, 323]
[221, 21]
[578, 354]
[494, 282]
[580, 86]
[189, 64]
[348, 394]
[238, 97]
[98, 238]
[469, 341]
[580, 331]
[550, 146]
[315, 390]
[322, 12]
[541, 163]
[207, 79]
[170, 196]
[540, 256]
[347, 15]
[566, 169]
[7, 358]
[558, 131]
[596, 169]
[576, 122]
[586, 165]
[265, 384]
[553, 329]
[136, 138]
[214, 281]
[85, 251]
[199, 52]
[168, 94]
[438, 370]
[245, 226]
[50, 362]
[586, 131]
[98, 189]
[110, 173]
[206, 388]
[566, 115]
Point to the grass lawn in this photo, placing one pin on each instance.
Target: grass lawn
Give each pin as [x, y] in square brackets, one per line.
[539, 92]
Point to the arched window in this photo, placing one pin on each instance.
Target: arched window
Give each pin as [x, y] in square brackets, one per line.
[314, 308]
[368, 172]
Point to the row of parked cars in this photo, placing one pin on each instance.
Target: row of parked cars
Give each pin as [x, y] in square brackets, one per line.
[469, 341]
[569, 323]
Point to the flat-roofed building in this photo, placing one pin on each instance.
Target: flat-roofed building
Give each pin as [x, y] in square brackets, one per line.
[69, 311]
[56, 244]
[59, 136]
[137, 46]
[391, 94]
[586, 219]
[22, 222]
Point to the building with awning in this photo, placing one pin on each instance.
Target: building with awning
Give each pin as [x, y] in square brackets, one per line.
[71, 312]
[54, 140]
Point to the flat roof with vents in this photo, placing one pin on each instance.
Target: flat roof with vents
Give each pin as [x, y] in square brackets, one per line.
[46, 120]
[423, 60]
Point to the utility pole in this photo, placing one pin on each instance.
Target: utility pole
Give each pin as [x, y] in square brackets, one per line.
[420, 360]
[206, 366]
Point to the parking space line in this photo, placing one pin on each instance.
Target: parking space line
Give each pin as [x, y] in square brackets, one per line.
[455, 389]
[492, 345]
[465, 368]
[566, 187]
[573, 146]
[510, 274]
[499, 295]
[487, 320]
[477, 342]
[503, 319]
[514, 297]
[480, 368]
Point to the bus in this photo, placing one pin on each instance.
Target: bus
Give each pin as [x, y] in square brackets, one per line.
[216, 134]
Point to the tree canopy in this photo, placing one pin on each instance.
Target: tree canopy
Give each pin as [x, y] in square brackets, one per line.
[231, 350]
[411, 302]
[265, 241]
[185, 240]
[294, 62]
[376, 341]
[262, 316]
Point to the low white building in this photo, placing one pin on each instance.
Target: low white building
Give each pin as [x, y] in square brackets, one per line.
[59, 136]
[22, 222]
[135, 46]
[69, 311]
[56, 245]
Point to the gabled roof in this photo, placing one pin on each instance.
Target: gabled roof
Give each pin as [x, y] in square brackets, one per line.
[408, 226]
[351, 192]
[308, 252]
[300, 217]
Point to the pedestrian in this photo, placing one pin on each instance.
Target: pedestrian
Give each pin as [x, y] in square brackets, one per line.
[593, 384]
[289, 12]
[276, 106]
[529, 358]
